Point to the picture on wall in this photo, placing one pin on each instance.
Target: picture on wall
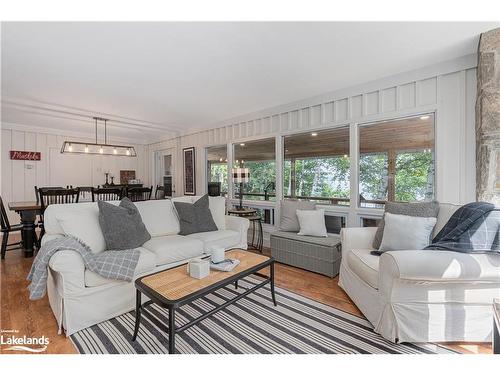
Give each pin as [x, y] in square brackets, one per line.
[126, 176]
[189, 171]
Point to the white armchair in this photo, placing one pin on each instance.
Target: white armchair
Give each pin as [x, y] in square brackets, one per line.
[420, 295]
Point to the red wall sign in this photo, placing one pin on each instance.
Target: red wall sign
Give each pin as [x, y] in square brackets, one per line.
[25, 155]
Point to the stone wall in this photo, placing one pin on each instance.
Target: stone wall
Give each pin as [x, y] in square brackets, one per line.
[488, 118]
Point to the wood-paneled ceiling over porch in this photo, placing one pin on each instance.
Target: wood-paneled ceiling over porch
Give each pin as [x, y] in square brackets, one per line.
[411, 133]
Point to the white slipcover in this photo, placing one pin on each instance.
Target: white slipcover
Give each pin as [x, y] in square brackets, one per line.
[170, 249]
[80, 298]
[221, 238]
[421, 295]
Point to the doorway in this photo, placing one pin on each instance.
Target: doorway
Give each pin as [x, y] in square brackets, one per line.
[164, 170]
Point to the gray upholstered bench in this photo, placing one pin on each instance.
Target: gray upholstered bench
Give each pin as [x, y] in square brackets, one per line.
[316, 254]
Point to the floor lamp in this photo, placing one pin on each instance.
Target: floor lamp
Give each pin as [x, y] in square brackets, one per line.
[241, 176]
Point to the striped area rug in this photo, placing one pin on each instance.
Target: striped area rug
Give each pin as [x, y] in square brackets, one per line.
[251, 325]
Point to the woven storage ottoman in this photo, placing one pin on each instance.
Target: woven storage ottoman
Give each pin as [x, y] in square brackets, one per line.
[316, 254]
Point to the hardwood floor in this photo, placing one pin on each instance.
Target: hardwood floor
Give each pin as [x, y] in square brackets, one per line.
[35, 318]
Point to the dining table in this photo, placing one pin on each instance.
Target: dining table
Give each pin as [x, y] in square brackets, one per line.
[27, 211]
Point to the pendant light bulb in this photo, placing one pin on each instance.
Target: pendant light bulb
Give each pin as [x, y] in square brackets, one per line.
[70, 147]
[114, 151]
[101, 150]
[86, 148]
[128, 151]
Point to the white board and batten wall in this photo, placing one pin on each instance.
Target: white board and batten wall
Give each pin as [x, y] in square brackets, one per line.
[19, 177]
[447, 89]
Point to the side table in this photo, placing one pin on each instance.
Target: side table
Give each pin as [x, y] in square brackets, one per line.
[251, 214]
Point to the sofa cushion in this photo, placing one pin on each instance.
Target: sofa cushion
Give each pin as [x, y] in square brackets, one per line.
[403, 232]
[445, 212]
[169, 249]
[159, 217]
[84, 225]
[419, 209]
[147, 262]
[365, 266]
[221, 238]
[312, 223]
[330, 241]
[217, 207]
[288, 220]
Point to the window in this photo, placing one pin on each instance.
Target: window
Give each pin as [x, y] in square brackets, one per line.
[260, 158]
[217, 166]
[396, 161]
[334, 223]
[317, 166]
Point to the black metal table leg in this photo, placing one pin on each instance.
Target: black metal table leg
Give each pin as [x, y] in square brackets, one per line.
[171, 330]
[253, 233]
[272, 283]
[261, 237]
[236, 284]
[138, 308]
[28, 232]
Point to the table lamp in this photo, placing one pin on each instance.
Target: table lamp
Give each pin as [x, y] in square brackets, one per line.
[241, 176]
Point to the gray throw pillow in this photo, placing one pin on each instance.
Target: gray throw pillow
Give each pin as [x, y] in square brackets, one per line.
[289, 221]
[122, 225]
[196, 217]
[416, 209]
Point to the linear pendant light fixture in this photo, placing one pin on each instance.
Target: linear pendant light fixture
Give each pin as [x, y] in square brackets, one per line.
[70, 147]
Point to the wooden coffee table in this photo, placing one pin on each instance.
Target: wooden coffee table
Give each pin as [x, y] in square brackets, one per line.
[174, 288]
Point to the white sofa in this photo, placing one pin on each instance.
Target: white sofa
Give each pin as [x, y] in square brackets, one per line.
[80, 298]
[421, 295]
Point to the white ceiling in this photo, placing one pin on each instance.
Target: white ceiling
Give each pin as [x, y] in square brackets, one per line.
[154, 78]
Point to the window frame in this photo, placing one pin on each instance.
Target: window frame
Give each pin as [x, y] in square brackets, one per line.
[346, 125]
[278, 171]
[206, 171]
[359, 125]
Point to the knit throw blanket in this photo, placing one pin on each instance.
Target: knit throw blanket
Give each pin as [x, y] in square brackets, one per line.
[473, 228]
[111, 264]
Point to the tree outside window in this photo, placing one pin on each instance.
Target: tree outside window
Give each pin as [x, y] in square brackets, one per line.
[396, 161]
[317, 166]
[260, 158]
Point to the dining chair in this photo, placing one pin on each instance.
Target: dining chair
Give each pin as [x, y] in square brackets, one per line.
[46, 188]
[50, 196]
[160, 192]
[85, 194]
[6, 229]
[107, 194]
[136, 194]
